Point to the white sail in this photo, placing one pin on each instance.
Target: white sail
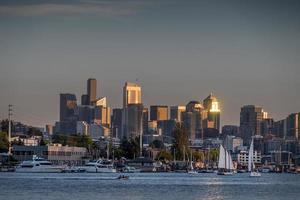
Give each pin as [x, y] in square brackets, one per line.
[250, 157]
[221, 163]
[231, 167]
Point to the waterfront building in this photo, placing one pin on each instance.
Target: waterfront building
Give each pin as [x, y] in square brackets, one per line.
[55, 153]
[250, 121]
[176, 113]
[243, 158]
[211, 113]
[91, 90]
[28, 141]
[192, 120]
[158, 113]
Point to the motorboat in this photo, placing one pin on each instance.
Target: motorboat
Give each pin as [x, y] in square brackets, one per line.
[129, 169]
[99, 166]
[38, 164]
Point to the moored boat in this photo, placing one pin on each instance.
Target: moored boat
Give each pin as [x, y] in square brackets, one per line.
[39, 165]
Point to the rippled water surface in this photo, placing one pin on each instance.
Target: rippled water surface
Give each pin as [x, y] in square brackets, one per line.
[23, 186]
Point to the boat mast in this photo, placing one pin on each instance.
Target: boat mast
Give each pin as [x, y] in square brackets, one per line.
[9, 128]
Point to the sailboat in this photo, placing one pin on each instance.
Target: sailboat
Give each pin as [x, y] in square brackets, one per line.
[251, 165]
[192, 170]
[225, 163]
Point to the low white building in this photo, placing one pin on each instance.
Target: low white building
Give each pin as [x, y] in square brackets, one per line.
[243, 158]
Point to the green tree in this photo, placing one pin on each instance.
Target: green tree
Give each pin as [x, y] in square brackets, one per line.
[157, 144]
[4, 125]
[130, 148]
[34, 132]
[198, 156]
[164, 156]
[214, 155]
[4, 144]
[180, 141]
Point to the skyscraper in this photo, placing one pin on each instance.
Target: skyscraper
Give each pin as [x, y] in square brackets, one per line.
[251, 118]
[293, 123]
[67, 117]
[91, 90]
[176, 112]
[117, 122]
[158, 113]
[192, 120]
[134, 120]
[68, 103]
[211, 113]
[131, 94]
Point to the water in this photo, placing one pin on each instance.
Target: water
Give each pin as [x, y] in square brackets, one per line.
[22, 186]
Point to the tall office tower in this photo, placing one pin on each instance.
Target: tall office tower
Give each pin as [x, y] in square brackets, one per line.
[230, 130]
[293, 123]
[85, 100]
[85, 113]
[134, 120]
[68, 103]
[158, 113]
[49, 129]
[211, 113]
[145, 120]
[267, 126]
[67, 117]
[280, 128]
[102, 112]
[116, 121]
[176, 113]
[131, 94]
[91, 90]
[192, 120]
[250, 121]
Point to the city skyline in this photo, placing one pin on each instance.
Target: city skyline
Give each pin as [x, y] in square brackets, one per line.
[244, 52]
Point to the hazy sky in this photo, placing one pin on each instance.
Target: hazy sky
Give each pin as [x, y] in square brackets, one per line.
[245, 52]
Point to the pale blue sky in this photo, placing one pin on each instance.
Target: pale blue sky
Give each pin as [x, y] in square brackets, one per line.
[246, 52]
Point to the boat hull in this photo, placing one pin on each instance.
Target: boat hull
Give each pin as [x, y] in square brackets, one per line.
[39, 170]
[255, 174]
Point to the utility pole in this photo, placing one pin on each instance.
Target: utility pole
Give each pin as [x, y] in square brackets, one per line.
[9, 128]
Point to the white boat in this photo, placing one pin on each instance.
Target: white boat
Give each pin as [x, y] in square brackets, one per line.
[128, 169]
[225, 164]
[191, 170]
[99, 166]
[251, 165]
[40, 165]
